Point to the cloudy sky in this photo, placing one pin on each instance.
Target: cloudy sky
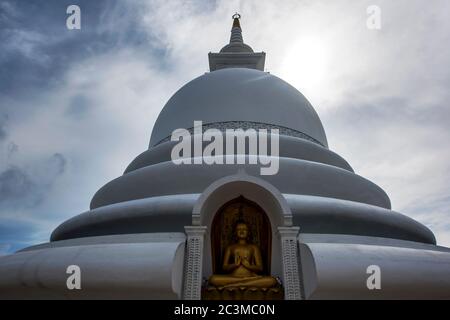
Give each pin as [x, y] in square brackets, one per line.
[76, 106]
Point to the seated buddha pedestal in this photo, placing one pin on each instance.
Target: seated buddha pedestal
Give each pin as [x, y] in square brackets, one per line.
[243, 262]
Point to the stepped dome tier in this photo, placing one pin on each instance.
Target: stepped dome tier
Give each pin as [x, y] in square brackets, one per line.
[240, 95]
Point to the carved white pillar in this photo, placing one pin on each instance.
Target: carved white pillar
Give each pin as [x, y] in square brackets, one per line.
[193, 262]
[290, 262]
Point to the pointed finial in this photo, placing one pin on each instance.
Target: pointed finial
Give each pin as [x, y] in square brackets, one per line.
[236, 18]
[236, 31]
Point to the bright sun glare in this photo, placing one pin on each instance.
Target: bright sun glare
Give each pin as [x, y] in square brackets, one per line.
[305, 65]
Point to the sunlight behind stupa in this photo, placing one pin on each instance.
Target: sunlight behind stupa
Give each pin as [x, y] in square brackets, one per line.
[305, 64]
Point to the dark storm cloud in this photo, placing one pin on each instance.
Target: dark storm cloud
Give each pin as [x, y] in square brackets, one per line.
[15, 185]
[22, 189]
[55, 165]
[37, 48]
[3, 132]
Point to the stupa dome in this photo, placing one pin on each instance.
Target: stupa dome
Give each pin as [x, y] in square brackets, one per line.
[243, 95]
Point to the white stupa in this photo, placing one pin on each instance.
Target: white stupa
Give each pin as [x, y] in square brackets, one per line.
[152, 232]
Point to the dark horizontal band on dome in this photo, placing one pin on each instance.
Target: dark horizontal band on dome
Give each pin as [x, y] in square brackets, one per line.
[316, 215]
[245, 125]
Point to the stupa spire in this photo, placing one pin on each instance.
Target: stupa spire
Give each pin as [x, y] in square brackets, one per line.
[236, 41]
[236, 31]
[236, 54]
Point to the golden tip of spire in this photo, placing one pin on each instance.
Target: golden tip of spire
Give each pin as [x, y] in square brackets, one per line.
[236, 18]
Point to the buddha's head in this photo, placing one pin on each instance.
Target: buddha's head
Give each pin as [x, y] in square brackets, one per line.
[241, 231]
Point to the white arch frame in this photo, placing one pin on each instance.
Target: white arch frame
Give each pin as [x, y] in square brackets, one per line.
[284, 260]
[253, 188]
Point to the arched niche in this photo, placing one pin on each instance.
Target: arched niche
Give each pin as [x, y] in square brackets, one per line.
[223, 234]
[253, 189]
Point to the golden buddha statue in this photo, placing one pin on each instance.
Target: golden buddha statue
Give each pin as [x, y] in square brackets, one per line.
[243, 261]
